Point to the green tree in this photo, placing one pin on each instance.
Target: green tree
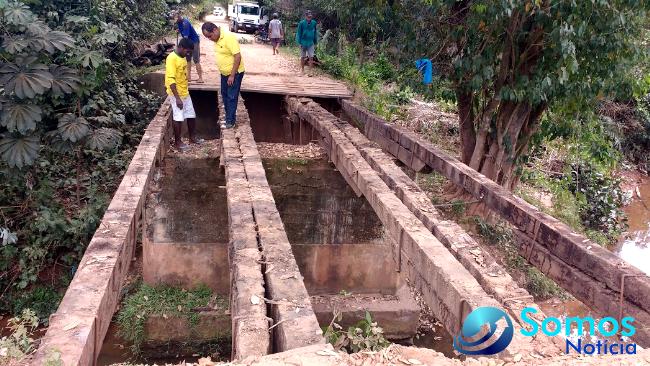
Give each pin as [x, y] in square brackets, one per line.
[509, 62]
[513, 60]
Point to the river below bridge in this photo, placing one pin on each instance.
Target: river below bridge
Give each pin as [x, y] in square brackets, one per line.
[634, 246]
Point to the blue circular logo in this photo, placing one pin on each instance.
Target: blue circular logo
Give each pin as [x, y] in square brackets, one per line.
[483, 320]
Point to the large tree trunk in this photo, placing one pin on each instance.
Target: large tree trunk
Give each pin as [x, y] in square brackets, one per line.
[495, 132]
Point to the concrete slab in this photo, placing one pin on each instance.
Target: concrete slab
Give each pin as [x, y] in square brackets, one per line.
[295, 324]
[250, 335]
[187, 265]
[397, 314]
[362, 268]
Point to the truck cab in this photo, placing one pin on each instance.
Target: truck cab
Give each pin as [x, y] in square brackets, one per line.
[246, 16]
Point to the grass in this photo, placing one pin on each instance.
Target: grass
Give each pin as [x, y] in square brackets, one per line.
[296, 162]
[163, 301]
[43, 300]
[501, 236]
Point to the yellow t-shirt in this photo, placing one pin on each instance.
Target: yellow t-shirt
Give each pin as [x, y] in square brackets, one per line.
[226, 48]
[176, 73]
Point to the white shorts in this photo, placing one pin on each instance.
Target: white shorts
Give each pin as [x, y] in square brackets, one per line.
[179, 115]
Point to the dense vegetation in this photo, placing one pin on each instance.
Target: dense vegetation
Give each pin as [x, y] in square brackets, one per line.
[71, 112]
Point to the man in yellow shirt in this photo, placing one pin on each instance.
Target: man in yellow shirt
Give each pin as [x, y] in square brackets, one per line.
[178, 92]
[231, 67]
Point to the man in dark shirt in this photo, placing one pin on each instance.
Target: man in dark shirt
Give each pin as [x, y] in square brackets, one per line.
[187, 31]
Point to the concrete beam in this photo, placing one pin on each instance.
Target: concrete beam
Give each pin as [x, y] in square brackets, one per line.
[581, 260]
[78, 327]
[494, 279]
[447, 287]
[295, 324]
[250, 324]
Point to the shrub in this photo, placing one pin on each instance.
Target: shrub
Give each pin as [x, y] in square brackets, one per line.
[363, 336]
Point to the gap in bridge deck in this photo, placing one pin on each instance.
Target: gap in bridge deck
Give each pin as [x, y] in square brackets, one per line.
[185, 245]
[337, 239]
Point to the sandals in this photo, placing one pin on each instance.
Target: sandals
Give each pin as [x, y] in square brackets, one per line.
[197, 141]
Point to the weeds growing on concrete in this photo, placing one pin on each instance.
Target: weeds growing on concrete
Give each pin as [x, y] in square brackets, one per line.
[500, 235]
[366, 335]
[162, 301]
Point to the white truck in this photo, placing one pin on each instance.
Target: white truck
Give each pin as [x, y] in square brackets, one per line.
[246, 16]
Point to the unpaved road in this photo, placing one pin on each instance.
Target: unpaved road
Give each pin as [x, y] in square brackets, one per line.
[258, 57]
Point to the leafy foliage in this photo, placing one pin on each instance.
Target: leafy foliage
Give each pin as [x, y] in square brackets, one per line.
[73, 128]
[21, 151]
[19, 344]
[365, 335]
[603, 199]
[21, 117]
[25, 79]
[69, 99]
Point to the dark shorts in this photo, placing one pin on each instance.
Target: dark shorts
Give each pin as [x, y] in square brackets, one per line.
[276, 41]
[196, 54]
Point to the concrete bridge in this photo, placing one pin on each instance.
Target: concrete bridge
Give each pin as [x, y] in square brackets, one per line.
[263, 251]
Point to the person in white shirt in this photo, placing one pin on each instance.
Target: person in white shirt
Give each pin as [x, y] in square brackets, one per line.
[276, 33]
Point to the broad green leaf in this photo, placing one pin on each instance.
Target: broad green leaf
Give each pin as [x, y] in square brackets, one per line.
[15, 45]
[18, 14]
[60, 40]
[56, 142]
[92, 59]
[20, 117]
[37, 29]
[76, 19]
[73, 128]
[25, 79]
[19, 151]
[111, 34]
[51, 42]
[64, 81]
[103, 139]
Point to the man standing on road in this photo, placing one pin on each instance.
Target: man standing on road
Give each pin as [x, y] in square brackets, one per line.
[231, 67]
[187, 31]
[307, 37]
[276, 33]
[178, 92]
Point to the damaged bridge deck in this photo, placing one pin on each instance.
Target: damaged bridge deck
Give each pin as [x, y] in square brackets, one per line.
[270, 307]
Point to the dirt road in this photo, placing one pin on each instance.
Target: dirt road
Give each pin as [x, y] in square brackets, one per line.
[258, 57]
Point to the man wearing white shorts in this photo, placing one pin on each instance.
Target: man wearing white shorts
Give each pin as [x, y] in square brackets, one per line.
[179, 94]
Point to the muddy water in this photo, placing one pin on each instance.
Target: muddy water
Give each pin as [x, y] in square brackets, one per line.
[634, 247]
